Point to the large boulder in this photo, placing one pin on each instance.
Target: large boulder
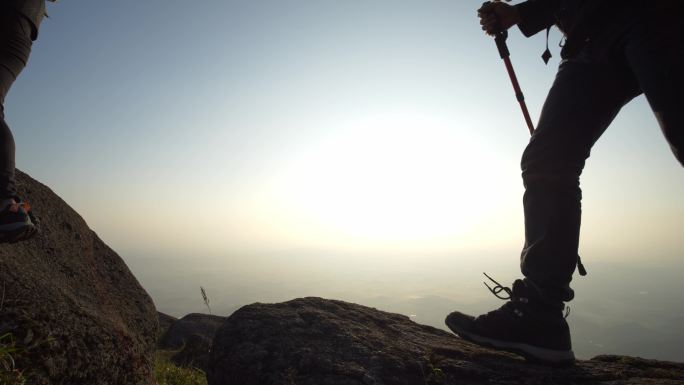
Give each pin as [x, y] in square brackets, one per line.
[313, 341]
[194, 354]
[179, 331]
[74, 309]
[191, 336]
[165, 322]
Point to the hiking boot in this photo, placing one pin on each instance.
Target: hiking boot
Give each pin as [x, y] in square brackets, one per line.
[16, 223]
[524, 325]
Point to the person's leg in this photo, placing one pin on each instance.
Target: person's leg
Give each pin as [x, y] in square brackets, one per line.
[7, 154]
[654, 49]
[15, 47]
[584, 99]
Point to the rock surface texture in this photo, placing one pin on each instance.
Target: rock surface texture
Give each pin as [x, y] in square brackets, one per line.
[204, 325]
[71, 303]
[193, 335]
[165, 322]
[195, 353]
[313, 341]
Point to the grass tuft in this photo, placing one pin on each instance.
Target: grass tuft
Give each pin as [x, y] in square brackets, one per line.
[9, 374]
[168, 373]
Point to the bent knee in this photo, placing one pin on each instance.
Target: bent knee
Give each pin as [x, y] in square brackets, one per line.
[552, 164]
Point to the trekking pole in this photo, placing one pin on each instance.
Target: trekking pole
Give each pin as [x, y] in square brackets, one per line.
[500, 40]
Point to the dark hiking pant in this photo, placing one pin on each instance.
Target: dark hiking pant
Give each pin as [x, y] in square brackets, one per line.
[15, 47]
[588, 92]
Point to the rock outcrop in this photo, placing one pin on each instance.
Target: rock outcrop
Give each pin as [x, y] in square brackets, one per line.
[72, 305]
[313, 341]
[194, 354]
[192, 336]
[204, 325]
[165, 322]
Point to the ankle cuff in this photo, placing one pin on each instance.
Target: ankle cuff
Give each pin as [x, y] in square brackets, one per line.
[542, 297]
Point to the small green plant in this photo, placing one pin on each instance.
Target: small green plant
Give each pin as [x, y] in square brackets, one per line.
[169, 374]
[9, 374]
[434, 375]
[12, 350]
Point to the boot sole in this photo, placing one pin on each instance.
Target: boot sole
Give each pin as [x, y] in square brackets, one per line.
[531, 353]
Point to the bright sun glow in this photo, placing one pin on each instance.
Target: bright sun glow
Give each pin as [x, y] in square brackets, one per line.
[385, 181]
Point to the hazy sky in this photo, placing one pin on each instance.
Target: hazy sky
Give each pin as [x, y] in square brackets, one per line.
[219, 125]
[380, 128]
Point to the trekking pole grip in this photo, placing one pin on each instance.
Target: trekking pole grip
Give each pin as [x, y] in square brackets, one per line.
[501, 35]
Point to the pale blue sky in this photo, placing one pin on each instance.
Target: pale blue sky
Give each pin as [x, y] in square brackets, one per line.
[381, 128]
[174, 107]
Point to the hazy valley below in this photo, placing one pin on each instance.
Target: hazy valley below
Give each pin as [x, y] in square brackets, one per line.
[626, 308]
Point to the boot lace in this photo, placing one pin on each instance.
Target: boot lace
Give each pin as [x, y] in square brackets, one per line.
[498, 288]
[505, 293]
[510, 296]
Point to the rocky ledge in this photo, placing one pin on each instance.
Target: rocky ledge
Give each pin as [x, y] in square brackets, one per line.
[75, 312]
[314, 341]
[191, 337]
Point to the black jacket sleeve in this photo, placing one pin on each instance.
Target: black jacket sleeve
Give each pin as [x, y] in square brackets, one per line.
[537, 15]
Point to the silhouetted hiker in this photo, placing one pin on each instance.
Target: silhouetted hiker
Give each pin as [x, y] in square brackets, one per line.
[19, 22]
[615, 50]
